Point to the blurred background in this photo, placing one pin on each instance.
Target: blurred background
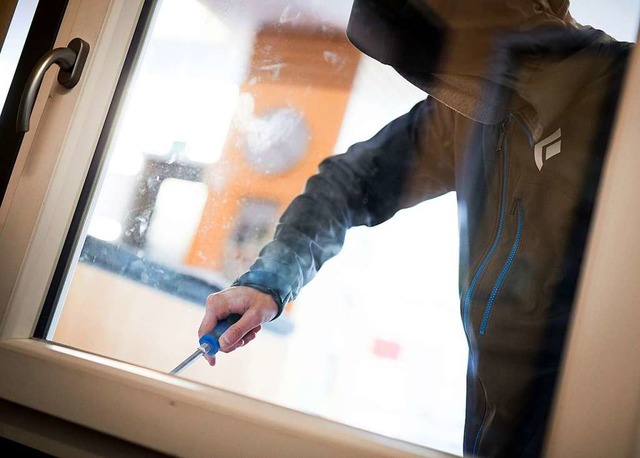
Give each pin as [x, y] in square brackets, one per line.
[233, 105]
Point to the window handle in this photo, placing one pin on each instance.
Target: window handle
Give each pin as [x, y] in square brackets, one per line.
[71, 61]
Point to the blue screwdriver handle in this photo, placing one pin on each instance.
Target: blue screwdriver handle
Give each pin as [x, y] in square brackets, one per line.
[211, 338]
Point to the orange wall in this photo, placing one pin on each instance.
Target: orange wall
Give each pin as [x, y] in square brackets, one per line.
[314, 76]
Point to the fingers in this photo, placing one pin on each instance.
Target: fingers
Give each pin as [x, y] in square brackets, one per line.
[255, 307]
[217, 308]
[244, 341]
[231, 339]
[208, 322]
[248, 337]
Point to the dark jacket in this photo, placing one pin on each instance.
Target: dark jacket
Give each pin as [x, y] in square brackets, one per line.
[525, 167]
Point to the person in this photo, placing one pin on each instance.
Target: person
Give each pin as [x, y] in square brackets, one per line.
[517, 122]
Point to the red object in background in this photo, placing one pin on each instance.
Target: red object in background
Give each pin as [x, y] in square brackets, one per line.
[386, 349]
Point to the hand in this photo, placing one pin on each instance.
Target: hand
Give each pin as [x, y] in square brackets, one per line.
[255, 307]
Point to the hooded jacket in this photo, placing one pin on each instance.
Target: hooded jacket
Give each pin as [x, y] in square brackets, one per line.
[522, 101]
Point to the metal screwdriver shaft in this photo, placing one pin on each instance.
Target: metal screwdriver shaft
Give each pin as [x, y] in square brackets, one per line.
[202, 350]
[209, 344]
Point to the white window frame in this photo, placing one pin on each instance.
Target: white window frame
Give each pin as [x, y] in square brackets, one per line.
[162, 412]
[597, 408]
[184, 418]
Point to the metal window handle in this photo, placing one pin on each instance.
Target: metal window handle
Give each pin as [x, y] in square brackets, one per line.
[71, 61]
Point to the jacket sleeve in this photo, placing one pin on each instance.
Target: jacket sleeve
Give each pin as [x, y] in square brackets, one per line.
[408, 161]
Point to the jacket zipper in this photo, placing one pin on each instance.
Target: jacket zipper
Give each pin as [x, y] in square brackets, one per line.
[476, 442]
[517, 206]
[505, 268]
[503, 197]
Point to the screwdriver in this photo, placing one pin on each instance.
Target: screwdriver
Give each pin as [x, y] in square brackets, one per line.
[209, 344]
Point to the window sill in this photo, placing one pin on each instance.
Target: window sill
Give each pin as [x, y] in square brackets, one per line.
[172, 415]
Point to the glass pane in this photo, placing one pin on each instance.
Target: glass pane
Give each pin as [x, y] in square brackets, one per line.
[233, 107]
[16, 35]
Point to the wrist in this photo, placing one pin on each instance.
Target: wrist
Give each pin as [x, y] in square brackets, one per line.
[279, 299]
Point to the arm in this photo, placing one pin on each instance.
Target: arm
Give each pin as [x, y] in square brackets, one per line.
[408, 161]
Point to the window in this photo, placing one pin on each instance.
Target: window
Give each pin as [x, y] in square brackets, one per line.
[224, 121]
[190, 189]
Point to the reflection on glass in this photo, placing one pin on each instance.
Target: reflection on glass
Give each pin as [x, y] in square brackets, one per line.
[233, 107]
[12, 40]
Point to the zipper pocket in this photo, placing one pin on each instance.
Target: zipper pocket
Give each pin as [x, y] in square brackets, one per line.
[505, 269]
[501, 148]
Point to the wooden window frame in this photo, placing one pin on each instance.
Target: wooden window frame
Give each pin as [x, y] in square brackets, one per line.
[599, 399]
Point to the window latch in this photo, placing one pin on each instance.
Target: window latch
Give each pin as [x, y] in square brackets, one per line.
[71, 61]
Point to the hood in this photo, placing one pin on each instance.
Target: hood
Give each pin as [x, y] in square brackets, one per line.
[474, 56]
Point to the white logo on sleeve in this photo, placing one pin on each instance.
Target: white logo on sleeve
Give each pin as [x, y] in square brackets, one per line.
[547, 148]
